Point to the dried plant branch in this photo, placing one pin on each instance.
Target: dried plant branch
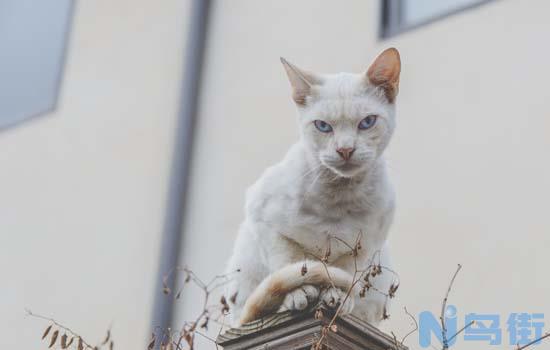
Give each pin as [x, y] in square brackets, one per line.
[533, 342]
[443, 307]
[462, 330]
[413, 330]
[209, 313]
[372, 269]
[75, 339]
[166, 339]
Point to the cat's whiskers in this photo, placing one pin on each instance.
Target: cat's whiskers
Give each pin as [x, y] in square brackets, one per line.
[310, 171]
[310, 187]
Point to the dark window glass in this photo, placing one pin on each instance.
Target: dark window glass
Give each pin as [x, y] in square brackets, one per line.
[400, 15]
[32, 46]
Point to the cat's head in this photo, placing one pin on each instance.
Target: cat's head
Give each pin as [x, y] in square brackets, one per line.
[346, 120]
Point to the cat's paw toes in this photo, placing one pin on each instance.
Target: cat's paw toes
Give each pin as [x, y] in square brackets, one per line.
[333, 297]
[300, 298]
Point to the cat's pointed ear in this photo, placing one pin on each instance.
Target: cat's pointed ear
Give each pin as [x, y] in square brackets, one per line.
[301, 81]
[384, 72]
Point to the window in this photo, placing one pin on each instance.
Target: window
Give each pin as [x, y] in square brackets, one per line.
[401, 15]
[32, 46]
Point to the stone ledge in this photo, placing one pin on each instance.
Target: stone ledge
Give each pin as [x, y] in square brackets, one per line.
[300, 330]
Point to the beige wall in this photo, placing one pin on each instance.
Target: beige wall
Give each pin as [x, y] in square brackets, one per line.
[469, 158]
[83, 188]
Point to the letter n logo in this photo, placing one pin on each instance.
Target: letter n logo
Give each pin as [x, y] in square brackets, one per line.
[429, 324]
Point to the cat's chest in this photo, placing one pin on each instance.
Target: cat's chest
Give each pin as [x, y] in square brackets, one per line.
[318, 223]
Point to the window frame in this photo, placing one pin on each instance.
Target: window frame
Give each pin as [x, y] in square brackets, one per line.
[392, 21]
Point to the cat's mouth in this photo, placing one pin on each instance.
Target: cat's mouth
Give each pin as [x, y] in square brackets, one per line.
[345, 169]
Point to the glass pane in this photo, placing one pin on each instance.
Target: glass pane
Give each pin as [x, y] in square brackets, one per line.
[32, 42]
[418, 11]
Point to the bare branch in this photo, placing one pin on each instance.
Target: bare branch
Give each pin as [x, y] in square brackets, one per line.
[462, 330]
[413, 330]
[209, 313]
[443, 307]
[68, 330]
[372, 269]
[534, 342]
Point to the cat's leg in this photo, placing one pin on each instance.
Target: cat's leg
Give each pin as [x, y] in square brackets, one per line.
[375, 303]
[372, 305]
[334, 297]
[255, 256]
[282, 252]
[245, 270]
[301, 298]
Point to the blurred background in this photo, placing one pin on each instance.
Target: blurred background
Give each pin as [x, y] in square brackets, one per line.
[129, 131]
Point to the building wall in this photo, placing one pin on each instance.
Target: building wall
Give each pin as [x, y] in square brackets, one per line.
[468, 159]
[83, 188]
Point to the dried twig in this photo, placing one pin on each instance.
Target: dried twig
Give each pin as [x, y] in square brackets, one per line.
[462, 330]
[443, 307]
[69, 337]
[372, 269]
[209, 313]
[533, 342]
[413, 330]
[167, 340]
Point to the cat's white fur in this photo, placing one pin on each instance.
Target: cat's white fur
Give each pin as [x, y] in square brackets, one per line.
[314, 193]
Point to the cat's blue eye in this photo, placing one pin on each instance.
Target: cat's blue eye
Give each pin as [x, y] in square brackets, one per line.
[322, 126]
[367, 123]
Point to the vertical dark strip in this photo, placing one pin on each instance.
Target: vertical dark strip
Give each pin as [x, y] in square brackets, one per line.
[391, 17]
[179, 173]
[383, 24]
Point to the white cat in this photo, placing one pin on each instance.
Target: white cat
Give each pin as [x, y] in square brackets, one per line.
[330, 188]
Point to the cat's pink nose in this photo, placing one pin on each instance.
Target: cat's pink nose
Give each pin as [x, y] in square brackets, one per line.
[345, 153]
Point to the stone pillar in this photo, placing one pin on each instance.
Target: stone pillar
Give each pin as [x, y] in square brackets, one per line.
[300, 331]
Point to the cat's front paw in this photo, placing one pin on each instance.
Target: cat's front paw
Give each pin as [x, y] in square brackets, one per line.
[300, 298]
[333, 297]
